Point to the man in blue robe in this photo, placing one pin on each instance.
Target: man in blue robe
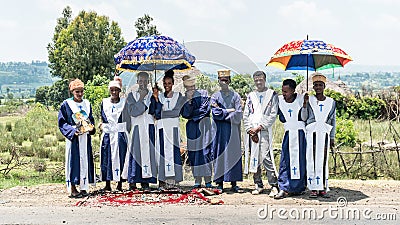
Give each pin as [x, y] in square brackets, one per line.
[198, 127]
[114, 139]
[77, 130]
[292, 168]
[227, 115]
[166, 108]
[141, 160]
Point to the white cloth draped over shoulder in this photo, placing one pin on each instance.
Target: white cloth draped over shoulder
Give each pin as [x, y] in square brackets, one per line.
[317, 156]
[83, 139]
[292, 125]
[113, 112]
[142, 122]
[168, 125]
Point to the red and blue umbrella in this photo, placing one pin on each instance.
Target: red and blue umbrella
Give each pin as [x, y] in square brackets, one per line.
[151, 53]
[309, 55]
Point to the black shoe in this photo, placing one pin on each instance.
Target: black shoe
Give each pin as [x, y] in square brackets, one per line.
[79, 195]
[145, 186]
[281, 194]
[84, 193]
[236, 189]
[132, 188]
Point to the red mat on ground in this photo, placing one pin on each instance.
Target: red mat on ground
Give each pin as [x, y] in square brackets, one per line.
[193, 197]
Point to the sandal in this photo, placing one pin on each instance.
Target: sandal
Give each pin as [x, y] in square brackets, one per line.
[79, 195]
[313, 194]
[84, 193]
[323, 194]
[281, 194]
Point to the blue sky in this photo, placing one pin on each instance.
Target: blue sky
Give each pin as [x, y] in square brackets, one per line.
[368, 30]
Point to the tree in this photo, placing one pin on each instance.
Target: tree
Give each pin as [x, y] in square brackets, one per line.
[84, 47]
[243, 84]
[298, 78]
[144, 28]
[205, 83]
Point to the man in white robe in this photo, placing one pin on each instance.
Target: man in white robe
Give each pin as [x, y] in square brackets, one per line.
[259, 115]
[320, 131]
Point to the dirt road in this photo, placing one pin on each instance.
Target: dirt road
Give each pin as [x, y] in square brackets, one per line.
[362, 201]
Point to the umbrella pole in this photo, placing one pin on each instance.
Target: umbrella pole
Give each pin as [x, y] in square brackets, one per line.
[307, 70]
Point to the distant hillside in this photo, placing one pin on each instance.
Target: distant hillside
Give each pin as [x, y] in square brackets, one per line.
[21, 78]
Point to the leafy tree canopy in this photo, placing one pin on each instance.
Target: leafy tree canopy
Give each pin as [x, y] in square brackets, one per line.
[144, 27]
[85, 46]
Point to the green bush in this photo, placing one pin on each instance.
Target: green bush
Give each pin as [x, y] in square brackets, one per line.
[352, 107]
[57, 153]
[8, 127]
[95, 95]
[345, 132]
[39, 165]
[242, 84]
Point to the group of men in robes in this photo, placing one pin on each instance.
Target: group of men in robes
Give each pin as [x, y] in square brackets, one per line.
[141, 136]
[309, 124]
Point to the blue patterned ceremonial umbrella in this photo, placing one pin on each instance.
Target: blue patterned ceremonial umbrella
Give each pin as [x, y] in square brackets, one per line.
[152, 53]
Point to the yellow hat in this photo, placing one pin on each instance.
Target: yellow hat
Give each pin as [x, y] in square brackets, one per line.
[188, 80]
[76, 84]
[224, 73]
[318, 77]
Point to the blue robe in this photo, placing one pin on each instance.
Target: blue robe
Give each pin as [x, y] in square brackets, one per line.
[156, 109]
[66, 125]
[284, 179]
[106, 167]
[138, 110]
[226, 148]
[198, 129]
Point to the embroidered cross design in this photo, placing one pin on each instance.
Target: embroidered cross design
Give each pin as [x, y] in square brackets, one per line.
[168, 166]
[145, 168]
[112, 109]
[294, 170]
[168, 103]
[290, 112]
[261, 97]
[310, 179]
[317, 178]
[320, 107]
[84, 180]
[116, 171]
[254, 161]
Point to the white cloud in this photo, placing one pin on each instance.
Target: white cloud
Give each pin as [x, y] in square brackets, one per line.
[8, 24]
[208, 9]
[306, 13]
[386, 21]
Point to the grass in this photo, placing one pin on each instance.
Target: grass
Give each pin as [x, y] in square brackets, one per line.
[9, 119]
[26, 175]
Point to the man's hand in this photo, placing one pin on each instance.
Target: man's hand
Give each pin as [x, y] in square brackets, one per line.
[306, 98]
[254, 130]
[255, 138]
[155, 92]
